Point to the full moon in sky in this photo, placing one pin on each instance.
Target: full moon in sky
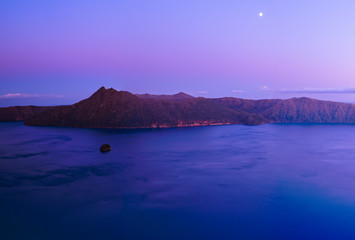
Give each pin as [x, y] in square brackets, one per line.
[260, 14]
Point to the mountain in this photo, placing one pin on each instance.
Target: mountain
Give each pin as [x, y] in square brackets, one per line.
[295, 110]
[108, 108]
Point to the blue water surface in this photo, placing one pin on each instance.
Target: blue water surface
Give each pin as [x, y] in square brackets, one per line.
[275, 181]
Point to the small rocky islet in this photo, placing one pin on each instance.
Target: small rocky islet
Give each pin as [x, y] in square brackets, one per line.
[105, 148]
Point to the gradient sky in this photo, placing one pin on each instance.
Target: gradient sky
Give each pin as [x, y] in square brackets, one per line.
[59, 52]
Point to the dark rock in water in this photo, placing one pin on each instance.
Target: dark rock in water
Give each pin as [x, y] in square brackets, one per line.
[105, 148]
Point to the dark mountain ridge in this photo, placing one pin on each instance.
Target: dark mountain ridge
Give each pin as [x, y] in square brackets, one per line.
[108, 108]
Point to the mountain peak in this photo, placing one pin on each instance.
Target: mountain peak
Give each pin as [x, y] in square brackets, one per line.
[183, 94]
[176, 97]
[101, 89]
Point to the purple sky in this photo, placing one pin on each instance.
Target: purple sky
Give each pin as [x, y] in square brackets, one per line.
[58, 52]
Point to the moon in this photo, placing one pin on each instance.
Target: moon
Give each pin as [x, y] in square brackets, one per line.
[260, 14]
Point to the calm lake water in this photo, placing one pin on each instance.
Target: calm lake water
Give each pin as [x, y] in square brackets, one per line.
[275, 181]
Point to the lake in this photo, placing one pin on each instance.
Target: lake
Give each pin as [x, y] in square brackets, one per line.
[274, 181]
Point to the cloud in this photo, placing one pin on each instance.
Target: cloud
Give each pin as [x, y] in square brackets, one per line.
[201, 92]
[264, 88]
[23, 95]
[237, 91]
[318, 90]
